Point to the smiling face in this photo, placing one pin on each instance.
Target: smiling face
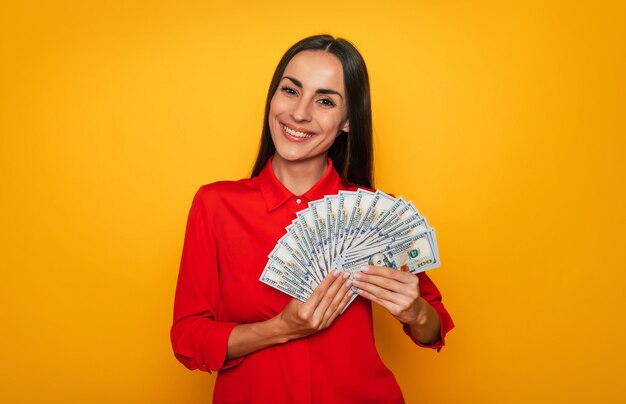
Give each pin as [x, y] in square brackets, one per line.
[308, 110]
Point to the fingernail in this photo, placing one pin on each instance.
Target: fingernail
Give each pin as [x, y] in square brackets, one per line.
[348, 283]
[336, 273]
[355, 282]
[346, 274]
[364, 268]
[357, 275]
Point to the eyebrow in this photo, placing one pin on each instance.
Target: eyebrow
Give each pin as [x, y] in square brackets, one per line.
[298, 84]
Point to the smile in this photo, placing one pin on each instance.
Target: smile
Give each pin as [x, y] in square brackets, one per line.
[295, 133]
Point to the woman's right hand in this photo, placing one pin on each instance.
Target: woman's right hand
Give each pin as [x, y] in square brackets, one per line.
[322, 308]
[297, 319]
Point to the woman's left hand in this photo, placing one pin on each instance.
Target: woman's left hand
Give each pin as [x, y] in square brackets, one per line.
[396, 291]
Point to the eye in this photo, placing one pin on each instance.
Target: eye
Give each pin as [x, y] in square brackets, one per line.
[288, 90]
[327, 102]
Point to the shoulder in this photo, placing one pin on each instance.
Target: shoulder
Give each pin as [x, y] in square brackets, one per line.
[216, 193]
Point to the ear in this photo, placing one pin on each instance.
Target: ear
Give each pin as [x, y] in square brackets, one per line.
[346, 127]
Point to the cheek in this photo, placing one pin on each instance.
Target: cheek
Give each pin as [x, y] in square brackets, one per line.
[333, 122]
[278, 105]
[272, 107]
[273, 112]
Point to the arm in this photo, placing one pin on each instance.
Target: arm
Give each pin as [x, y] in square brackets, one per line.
[200, 340]
[297, 320]
[425, 326]
[413, 300]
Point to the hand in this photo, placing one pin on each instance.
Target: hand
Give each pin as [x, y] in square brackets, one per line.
[396, 291]
[322, 308]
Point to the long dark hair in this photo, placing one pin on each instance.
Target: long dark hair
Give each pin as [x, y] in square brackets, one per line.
[352, 154]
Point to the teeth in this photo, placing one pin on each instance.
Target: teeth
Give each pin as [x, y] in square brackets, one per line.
[296, 133]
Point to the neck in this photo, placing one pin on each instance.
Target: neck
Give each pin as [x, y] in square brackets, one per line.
[299, 176]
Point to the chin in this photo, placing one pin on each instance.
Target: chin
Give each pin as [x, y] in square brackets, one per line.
[291, 157]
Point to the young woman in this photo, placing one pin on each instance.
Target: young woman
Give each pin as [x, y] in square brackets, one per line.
[268, 347]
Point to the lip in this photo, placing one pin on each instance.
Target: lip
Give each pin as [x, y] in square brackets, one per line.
[293, 138]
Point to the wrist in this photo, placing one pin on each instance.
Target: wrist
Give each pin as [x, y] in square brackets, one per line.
[421, 313]
[279, 328]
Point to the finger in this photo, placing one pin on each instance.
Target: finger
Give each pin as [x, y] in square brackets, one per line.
[347, 298]
[318, 293]
[338, 303]
[390, 306]
[382, 281]
[381, 293]
[329, 296]
[400, 276]
[338, 312]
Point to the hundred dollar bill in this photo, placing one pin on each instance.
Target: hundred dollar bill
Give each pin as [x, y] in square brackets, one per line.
[319, 220]
[306, 226]
[404, 212]
[419, 254]
[393, 220]
[339, 225]
[347, 200]
[285, 259]
[301, 242]
[371, 212]
[304, 260]
[385, 212]
[356, 213]
[295, 280]
[271, 276]
[362, 208]
[407, 228]
[331, 202]
[381, 205]
[436, 245]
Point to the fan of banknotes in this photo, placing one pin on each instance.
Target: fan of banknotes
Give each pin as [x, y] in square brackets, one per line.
[345, 232]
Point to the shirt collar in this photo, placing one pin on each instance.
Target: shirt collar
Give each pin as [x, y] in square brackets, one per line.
[275, 194]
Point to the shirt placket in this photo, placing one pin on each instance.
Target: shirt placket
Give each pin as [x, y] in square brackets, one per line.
[300, 347]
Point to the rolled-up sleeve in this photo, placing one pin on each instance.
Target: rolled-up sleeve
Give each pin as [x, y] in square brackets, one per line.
[430, 293]
[199, 340]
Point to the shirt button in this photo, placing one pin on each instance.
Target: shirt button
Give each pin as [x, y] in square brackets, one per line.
[298, 201]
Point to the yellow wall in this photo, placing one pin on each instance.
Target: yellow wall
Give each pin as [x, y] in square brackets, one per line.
[504, 122]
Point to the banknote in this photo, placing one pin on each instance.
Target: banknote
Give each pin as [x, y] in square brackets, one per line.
[412, 254]
[305, 223]
[347, 231]
[361, 208]
[408, 227]
[318, 215]
[331, 204]
[347, 200]
[283, 258]
[303, 247]
[273, 277]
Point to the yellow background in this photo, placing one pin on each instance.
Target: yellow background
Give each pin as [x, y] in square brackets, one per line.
[503, 121]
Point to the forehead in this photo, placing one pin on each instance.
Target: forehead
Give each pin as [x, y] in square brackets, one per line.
[317, 69]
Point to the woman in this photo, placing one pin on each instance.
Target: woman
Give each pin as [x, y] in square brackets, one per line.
[317, 140]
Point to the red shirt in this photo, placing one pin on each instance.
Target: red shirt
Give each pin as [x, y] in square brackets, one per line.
[232, 227]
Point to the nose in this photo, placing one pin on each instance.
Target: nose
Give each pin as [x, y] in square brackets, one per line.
[301, 111]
